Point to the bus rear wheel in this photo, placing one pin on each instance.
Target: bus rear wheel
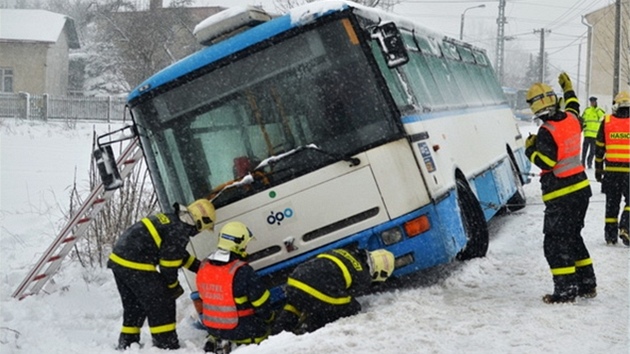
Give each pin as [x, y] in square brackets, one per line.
[474, 223]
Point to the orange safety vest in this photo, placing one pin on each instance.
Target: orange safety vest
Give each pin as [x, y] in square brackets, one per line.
[214, 283]
[617, 139]
[567, 135]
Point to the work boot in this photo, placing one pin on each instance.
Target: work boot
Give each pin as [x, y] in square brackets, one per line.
[558, 299]
[565, 289]
[210, 346]
[587, 293]
[167, 340]
[126, 340]
[587, 283]
[624, 236]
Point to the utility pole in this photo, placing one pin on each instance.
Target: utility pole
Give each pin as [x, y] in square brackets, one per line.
[616, 63]
[589, 40]
[500, 41]
[541, 55]
[577, 90]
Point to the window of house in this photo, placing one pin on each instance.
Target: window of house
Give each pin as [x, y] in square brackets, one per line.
[6, 80]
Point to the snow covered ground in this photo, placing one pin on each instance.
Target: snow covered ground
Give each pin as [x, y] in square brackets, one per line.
[489, 305]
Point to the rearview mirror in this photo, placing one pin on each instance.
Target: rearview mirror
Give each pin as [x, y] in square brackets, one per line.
[391, 43]
[106, 163]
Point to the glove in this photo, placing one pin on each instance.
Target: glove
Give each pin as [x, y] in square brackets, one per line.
[176, 291]
[565, 82]
[599, 175]
[531, 141]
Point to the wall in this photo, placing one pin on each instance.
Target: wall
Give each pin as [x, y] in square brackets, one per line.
[28, 61]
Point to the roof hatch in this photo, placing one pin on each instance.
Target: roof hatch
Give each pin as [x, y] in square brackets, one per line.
[228, 23]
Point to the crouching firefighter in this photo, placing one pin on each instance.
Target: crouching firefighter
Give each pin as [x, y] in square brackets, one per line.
[323, 289]
[145, 262]
[565, 190]
[236, 305]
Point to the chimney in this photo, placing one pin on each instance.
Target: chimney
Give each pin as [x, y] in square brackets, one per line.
[155, 5]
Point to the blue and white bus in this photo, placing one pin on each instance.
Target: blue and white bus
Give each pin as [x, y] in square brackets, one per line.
[329, 126]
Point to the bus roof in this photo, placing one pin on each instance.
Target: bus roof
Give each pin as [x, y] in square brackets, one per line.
[296, 17]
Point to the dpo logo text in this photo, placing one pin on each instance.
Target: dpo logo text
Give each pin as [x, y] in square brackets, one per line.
[276, 218]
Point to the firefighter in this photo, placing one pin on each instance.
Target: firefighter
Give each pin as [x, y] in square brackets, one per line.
[324, 288]
[145, 262]
[591, 119]
[565, 191]
[612, 168]
[236, 305]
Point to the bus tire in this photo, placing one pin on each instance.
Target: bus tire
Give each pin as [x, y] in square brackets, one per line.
[518, 200]
[474, 223]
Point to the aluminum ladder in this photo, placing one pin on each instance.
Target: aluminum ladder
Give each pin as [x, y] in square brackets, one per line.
[76, 227]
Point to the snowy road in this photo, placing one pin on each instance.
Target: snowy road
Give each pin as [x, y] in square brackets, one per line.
[489, 305]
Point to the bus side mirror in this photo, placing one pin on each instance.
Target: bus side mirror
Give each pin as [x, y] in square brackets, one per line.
[391, 43]
[106, 163]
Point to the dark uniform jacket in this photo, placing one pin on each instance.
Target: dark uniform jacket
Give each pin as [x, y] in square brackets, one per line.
[158, 240]
[333, 277]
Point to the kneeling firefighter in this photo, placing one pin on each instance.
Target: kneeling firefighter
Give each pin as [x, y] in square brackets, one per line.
[324, 288]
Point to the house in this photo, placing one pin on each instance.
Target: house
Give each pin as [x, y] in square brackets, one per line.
[34, 51]
[602, 52]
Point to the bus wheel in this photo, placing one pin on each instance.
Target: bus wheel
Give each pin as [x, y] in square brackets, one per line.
[474, 223]
[518, 200]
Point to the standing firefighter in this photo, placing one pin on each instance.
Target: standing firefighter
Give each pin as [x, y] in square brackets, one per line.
[145, 262]
[591, 119]
[565, 190]
[612, 168]
[323, 289]
[236, 306]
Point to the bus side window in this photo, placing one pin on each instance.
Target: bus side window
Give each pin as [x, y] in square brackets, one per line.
[496, 93]
[463, 78]
[421, 79]
[443, 77]
[402, 98]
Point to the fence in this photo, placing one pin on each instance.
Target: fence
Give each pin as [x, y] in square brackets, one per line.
[47, 107]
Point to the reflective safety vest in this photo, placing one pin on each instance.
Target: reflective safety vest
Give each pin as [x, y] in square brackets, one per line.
[567, 136]
[215, 283]
[617, 139]
[592, 119]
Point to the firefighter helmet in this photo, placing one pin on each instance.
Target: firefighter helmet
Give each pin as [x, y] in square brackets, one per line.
[622, 99]
[541, 99]
[203, 214]
[381, 264]
[234, 237]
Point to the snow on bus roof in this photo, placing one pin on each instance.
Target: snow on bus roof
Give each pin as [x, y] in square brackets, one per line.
[311, 11]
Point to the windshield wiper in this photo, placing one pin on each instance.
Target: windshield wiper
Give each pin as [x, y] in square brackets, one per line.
[272, 160]
[257, 172]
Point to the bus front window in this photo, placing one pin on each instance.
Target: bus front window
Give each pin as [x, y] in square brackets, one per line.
[314, 88]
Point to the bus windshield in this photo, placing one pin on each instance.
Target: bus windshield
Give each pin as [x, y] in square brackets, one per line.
[313, 89]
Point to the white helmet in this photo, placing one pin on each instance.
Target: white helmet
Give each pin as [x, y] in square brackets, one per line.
[381, 264]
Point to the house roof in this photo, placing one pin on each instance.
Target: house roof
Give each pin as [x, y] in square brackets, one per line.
[36, 26]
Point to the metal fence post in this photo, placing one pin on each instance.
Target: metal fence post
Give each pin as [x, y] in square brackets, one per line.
[45, 106]
[26, 111]
[109, 109]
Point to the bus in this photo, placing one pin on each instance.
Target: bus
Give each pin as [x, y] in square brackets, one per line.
[517, 100]
[333, 125]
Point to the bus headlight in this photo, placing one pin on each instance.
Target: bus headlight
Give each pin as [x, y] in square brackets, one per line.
[391, 236]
